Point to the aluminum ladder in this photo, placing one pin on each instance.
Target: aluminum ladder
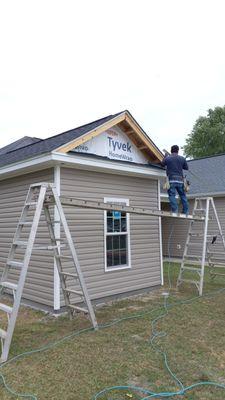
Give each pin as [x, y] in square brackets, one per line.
[201, 238]
[20, 254]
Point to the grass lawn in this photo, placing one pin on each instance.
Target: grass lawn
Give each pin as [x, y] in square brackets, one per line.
[121, 354]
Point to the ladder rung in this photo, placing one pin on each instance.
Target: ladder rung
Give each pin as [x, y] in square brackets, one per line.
[20, 243]
[199, 209]
[199, 234]
[191, 269]
[216, 273]
[5, 308]
[24, 223]
[192, 257]
[3, 334]
[78, 292]
[217, 262]
[69, 274]
[194, 244]
[189, 281]
[78, 308]
[31, 203]
[9, 285]
[50, 247]
[214, 254]
[15, 264]
[68, 258]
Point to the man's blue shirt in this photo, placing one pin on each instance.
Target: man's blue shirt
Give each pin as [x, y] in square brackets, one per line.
[174, 167]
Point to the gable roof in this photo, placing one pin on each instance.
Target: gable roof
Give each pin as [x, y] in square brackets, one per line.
[27, 148]
[130, 127]
[207, 175]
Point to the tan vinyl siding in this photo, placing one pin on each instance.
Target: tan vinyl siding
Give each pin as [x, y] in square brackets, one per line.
[39, 282]
[87, 228]
[174, 231]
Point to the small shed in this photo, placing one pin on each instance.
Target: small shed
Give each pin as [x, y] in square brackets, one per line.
[207, 178]
[108, 160]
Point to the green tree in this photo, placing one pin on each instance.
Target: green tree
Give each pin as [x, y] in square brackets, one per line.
[207, 137]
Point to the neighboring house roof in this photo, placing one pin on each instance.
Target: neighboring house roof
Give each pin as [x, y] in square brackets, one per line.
[27, 148]
[207, 175]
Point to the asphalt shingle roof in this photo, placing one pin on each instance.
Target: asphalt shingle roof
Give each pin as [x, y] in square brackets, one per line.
[18, 144]
[47, 145]
[207, 175]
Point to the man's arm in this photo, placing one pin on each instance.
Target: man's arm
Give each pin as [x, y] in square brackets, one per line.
[163, 162]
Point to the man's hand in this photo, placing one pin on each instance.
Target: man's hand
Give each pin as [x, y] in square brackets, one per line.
[166, 152]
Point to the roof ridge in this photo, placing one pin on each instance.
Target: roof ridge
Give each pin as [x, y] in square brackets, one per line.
[17, 142]
[26, 145]
[203, 158]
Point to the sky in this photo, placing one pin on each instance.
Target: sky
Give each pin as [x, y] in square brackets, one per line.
[66, 63]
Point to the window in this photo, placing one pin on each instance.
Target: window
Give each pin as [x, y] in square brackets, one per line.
[117, 237]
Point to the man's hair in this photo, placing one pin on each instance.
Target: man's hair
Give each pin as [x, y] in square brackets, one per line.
[174, 149]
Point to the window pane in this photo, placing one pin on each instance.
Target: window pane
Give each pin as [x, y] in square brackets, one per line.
[116, 257]
[109, 259]
[123, 255]
[123, 224]
[116, 250]
[109, 225]
[123, 241]
[116, 225]
[116, 242]
[109, 242]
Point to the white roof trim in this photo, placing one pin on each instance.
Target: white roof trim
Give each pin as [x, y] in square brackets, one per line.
[81, 162]
[15, 169]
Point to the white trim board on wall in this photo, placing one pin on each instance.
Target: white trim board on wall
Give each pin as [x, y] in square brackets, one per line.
[57, 235]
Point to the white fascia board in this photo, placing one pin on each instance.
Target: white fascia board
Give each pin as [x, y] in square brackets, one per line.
[49, 160]
[106, 166]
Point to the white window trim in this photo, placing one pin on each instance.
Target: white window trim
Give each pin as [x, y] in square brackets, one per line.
[128, 266]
